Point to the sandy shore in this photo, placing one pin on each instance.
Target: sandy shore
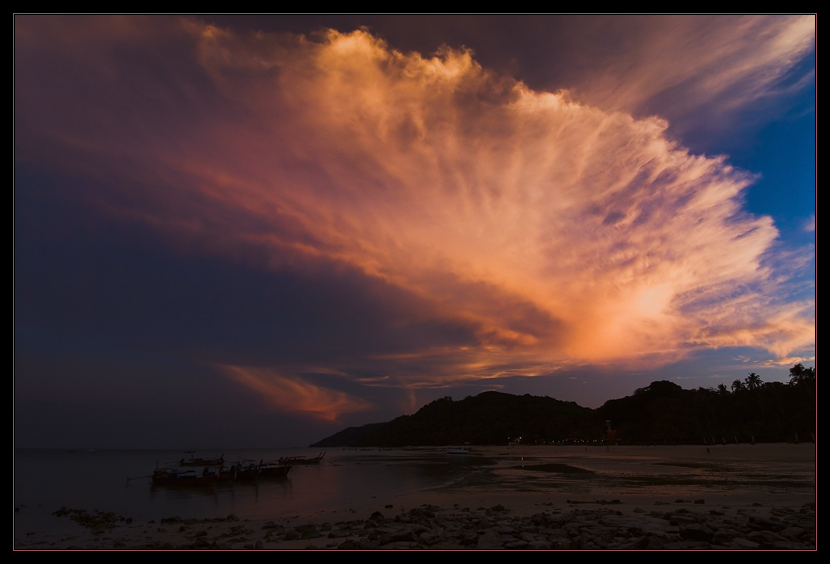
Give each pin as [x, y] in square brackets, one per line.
[765, 500]
[598, 524]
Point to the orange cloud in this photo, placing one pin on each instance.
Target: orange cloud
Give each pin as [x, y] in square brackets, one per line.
[293, 394]
[563, 232]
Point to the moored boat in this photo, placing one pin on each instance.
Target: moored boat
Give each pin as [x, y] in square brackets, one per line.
[273, 470]
[175, 477]
[245, 470]
[301, 460]
[203, 461]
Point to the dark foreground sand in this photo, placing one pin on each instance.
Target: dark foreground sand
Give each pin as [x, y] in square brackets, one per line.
[762, 499]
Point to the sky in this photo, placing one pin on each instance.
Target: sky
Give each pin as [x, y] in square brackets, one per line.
[255, 231]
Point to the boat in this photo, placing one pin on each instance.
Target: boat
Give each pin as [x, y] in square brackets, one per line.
[203, 461]
[244, 471]
[458, 451]
[273, 470]
[301, 460]
[187, 478]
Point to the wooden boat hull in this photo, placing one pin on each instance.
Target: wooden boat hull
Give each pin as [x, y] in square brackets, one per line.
[241, 472]
[301, 460]
[203, 461]
[183, 478]
[272, 470]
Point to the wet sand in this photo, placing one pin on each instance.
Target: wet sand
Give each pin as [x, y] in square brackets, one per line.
[716, 497]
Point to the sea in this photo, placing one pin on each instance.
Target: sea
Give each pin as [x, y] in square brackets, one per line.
[352, 483]
[119, 481]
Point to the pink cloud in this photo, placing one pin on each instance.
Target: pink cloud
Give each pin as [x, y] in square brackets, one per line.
[678, 65]
[294, 394]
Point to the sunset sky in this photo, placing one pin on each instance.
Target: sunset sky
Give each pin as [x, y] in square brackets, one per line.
[258, 230]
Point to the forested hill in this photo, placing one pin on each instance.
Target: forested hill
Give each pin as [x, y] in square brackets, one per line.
[661, 413]
[488, 418]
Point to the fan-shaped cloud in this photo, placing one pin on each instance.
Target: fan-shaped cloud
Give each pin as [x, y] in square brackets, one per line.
[559, 232]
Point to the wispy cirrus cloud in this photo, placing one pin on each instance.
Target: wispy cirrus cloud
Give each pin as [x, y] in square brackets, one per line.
[693, 68]
[555, 232]
[289, 394]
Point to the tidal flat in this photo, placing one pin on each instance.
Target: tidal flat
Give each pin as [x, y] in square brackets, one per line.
[524, 497]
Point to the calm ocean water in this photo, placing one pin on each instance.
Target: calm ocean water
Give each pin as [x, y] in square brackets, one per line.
[366, 480]
[46, 480]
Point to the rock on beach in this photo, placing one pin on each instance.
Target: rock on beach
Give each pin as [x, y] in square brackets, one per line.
[579, 526]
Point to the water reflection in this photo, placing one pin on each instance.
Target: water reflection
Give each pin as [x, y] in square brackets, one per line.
[350, 478]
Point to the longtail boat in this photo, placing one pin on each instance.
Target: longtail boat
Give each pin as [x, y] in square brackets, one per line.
[301, 460]
[245, 470]
[187, 478]
[203, 461]
[273, 470]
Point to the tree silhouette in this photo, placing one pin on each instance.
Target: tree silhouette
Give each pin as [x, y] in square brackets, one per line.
[662, 412]
[753, 381]
[800, 375]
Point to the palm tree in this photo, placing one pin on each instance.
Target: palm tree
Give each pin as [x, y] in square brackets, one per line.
[799, 374]
[753, 381]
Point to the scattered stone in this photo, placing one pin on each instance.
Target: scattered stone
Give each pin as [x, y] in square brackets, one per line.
[592, 526]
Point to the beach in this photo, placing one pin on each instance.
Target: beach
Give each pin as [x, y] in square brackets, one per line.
[590, 498]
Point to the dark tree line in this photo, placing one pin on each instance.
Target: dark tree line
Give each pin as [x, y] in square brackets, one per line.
[660, 413]
[664, 413]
